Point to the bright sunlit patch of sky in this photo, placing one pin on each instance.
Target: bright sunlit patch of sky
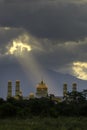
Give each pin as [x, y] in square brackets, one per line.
[19, 46]
[80, 70]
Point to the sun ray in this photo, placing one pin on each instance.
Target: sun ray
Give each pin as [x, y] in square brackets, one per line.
[35, 72]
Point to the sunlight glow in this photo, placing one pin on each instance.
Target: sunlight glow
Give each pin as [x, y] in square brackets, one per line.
[80, 70]
[18, 48]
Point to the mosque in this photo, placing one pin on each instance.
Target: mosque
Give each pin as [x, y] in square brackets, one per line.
[41, 91]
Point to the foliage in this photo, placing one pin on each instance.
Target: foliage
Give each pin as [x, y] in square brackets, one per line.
[75, 97]
[74, 105]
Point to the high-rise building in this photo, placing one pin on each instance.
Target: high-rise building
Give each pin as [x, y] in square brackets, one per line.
[41, 90]
[64, 89]
[74, 87]
[9, 92]
[17, 89]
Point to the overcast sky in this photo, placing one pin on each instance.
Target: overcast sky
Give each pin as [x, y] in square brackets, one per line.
[51, 33]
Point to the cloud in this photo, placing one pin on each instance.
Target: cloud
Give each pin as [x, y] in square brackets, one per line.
[47, 52]
[76, 68]
[65, 55]
[45, 1]
[8, 33]
[79, 69]
[51, 51]
[20, 44]
[18, 48]
[63, 20]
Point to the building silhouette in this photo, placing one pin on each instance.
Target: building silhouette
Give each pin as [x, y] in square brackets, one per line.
[64, 89]
[9, 91]
[41, 90]
[74, 87]
[17, 88]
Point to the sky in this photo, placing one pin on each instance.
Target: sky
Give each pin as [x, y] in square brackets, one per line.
[37, 35]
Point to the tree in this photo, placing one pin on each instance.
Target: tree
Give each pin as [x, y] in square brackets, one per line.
[75, 97]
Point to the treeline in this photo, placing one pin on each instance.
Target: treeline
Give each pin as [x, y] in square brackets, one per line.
[74, 104]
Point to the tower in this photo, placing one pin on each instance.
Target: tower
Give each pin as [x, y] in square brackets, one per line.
[64, 89]
[20, 93]
[9, 93]
[74, 87]
[17, 90]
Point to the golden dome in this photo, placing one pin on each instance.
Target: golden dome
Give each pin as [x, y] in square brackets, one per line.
[31, 95]
[42, 85]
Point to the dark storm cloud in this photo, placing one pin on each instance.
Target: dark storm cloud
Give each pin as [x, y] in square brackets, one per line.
[46, 19]
[57, 54]
[7, 35]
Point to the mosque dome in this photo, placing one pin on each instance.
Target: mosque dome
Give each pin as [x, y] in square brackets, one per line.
[42, 90]
[31, 95]
[41, 86]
